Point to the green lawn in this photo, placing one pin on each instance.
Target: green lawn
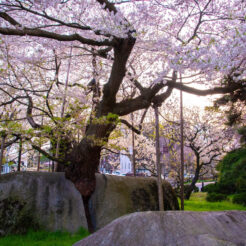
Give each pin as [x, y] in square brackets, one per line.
[198, 202]
[43, 238]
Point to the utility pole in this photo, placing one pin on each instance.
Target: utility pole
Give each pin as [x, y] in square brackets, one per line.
[158, 164]
[38, 167]
[181, 148]
[133, 149]
[19, 155]
[63, 110]
[40, 145]
[3, 137]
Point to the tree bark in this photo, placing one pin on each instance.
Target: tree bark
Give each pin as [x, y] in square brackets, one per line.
[196, 177]
[193, 184]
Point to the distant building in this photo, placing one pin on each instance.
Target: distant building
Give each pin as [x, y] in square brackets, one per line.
[8, 168]
[5, 169]
[125, 164]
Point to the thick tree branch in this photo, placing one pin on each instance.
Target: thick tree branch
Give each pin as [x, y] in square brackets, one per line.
[144, 100]
[9, 19]
[130, 126]
[45, 153]
[55, 36]
[216, 90]
[29, 115]
[12, 141]
[121, 54]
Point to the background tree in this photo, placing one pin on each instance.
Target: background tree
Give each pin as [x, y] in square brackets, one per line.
[208, 139]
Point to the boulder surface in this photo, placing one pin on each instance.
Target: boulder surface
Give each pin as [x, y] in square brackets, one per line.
[49, 199]
[116, 196]
[172, 228]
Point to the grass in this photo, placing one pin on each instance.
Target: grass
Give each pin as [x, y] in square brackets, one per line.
[198, 202]
[44, 238]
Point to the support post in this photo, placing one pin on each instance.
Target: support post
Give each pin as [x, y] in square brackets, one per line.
[181, 149]
[3, 136]
[19, 155]
[158, 164]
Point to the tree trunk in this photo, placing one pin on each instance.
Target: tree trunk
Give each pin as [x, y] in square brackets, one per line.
[194, 180]
[81, 161]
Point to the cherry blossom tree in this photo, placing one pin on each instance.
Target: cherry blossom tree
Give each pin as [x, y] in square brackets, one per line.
[142, 43]
[207, 136]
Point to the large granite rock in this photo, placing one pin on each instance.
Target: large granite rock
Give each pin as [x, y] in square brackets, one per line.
[116, 196]
[44, 199]
[172, 228]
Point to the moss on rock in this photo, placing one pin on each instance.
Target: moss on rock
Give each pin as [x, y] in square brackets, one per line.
[116, 196]
[16, 217]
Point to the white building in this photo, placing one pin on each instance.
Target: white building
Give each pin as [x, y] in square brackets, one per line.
[125, 164]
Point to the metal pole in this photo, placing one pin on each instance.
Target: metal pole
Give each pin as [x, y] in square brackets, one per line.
[181, 148]
[2, 151]
[63, 109]
[133, 150]
[19, 155]
[158, 164]
[38, 168]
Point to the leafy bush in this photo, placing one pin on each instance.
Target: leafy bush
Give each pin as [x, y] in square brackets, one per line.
[226, 188]
[241, 184]
[186, 187]
[196, 189]
[232, 174]
[223, 188]
[215, 197]
[210, 188]
[15, 217]
[240, 198]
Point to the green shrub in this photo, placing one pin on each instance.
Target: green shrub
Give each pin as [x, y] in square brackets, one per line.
[232, 167]
[15, 217]
[210, 188]
[196, 189]
[241, 184]
[226, 188]
[240, 198]
[215, 197]
[232, 177]
[186, 187]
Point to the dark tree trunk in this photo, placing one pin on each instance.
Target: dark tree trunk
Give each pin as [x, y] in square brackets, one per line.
[195, 179]
[84, 161]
